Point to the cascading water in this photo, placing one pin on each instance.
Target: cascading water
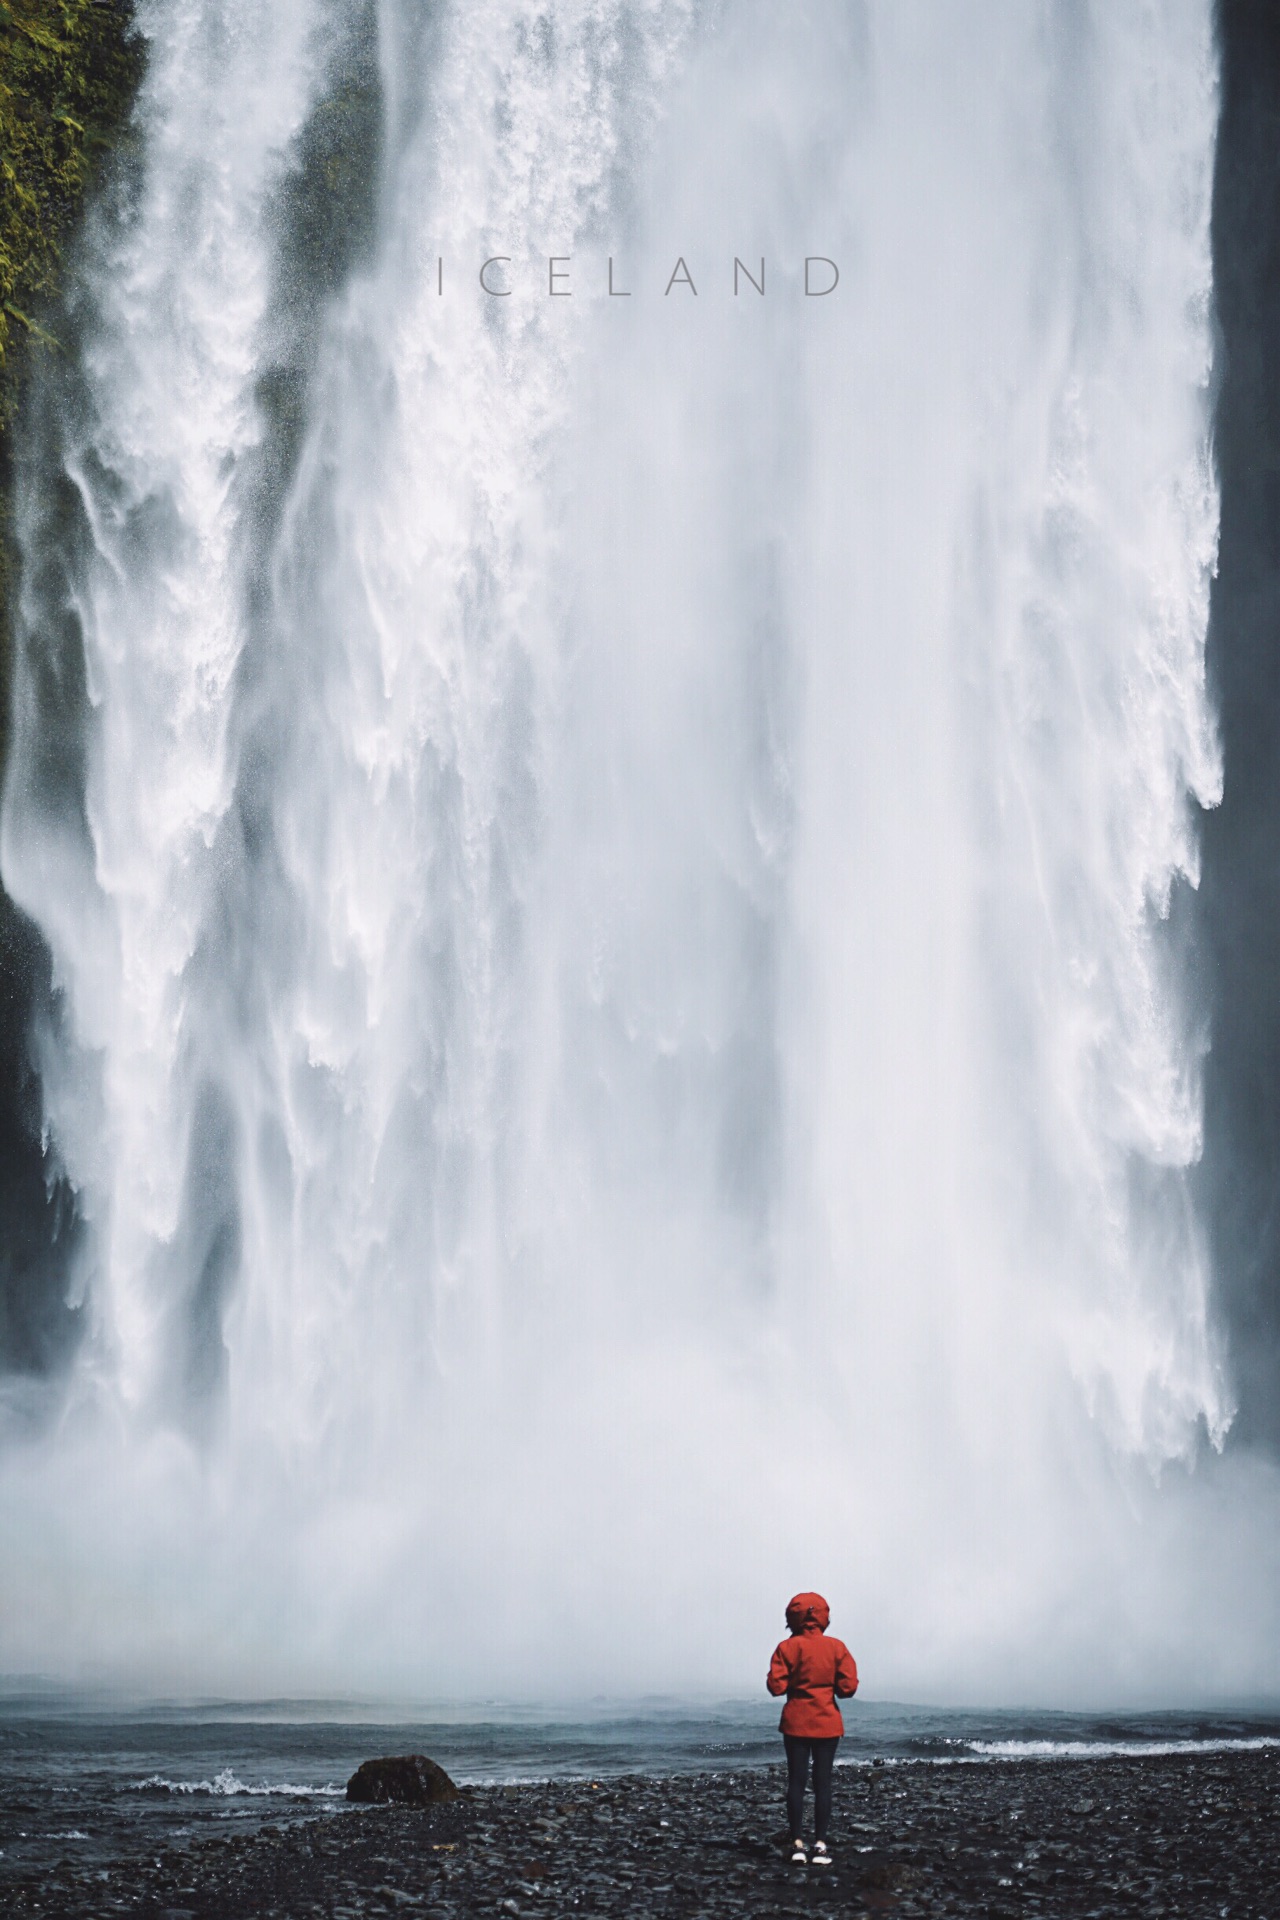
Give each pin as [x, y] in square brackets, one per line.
[624, 1043]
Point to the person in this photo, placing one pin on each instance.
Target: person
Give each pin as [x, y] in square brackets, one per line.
[813, 1669]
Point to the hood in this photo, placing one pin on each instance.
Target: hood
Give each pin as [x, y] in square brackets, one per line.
[808, 1610]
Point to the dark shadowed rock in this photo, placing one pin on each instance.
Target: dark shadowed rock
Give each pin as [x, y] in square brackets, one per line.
[406, 1780]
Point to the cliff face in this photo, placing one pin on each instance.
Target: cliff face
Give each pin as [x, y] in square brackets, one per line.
[68, 74]
[1239, 899]
[69, 70]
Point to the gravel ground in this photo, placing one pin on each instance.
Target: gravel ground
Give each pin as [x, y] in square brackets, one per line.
[1180, 1836]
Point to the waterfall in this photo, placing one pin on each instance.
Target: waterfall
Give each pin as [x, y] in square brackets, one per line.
[616, 855]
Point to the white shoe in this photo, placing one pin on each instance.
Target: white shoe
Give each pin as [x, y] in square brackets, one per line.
[799, 1858]
[821, 1858]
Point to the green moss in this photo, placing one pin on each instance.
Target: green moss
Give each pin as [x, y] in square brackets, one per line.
[325, 219]
[329, 204]
[69, 70]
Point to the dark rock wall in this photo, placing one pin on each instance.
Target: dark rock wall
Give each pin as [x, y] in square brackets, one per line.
[68, 78]
[84, 56]
[1239, 903]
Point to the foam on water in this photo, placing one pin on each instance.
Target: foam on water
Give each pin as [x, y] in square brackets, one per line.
[227, 1785]
[1113, 1749]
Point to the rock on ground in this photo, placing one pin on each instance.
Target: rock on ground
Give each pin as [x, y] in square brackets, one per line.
[405, 1780]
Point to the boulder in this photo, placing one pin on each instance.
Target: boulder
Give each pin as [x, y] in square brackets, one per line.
[406, 1780]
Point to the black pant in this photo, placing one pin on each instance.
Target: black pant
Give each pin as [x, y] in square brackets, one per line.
[824, 1758]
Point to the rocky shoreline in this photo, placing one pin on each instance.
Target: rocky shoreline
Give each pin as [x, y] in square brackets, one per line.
[1182, 1835]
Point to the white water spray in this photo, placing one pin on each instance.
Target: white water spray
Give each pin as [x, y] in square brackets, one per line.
[623, 1043]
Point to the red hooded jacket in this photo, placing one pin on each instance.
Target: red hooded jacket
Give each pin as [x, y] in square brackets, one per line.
[812, 1671]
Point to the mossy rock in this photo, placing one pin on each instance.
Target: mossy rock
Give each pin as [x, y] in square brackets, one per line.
[69, 71]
